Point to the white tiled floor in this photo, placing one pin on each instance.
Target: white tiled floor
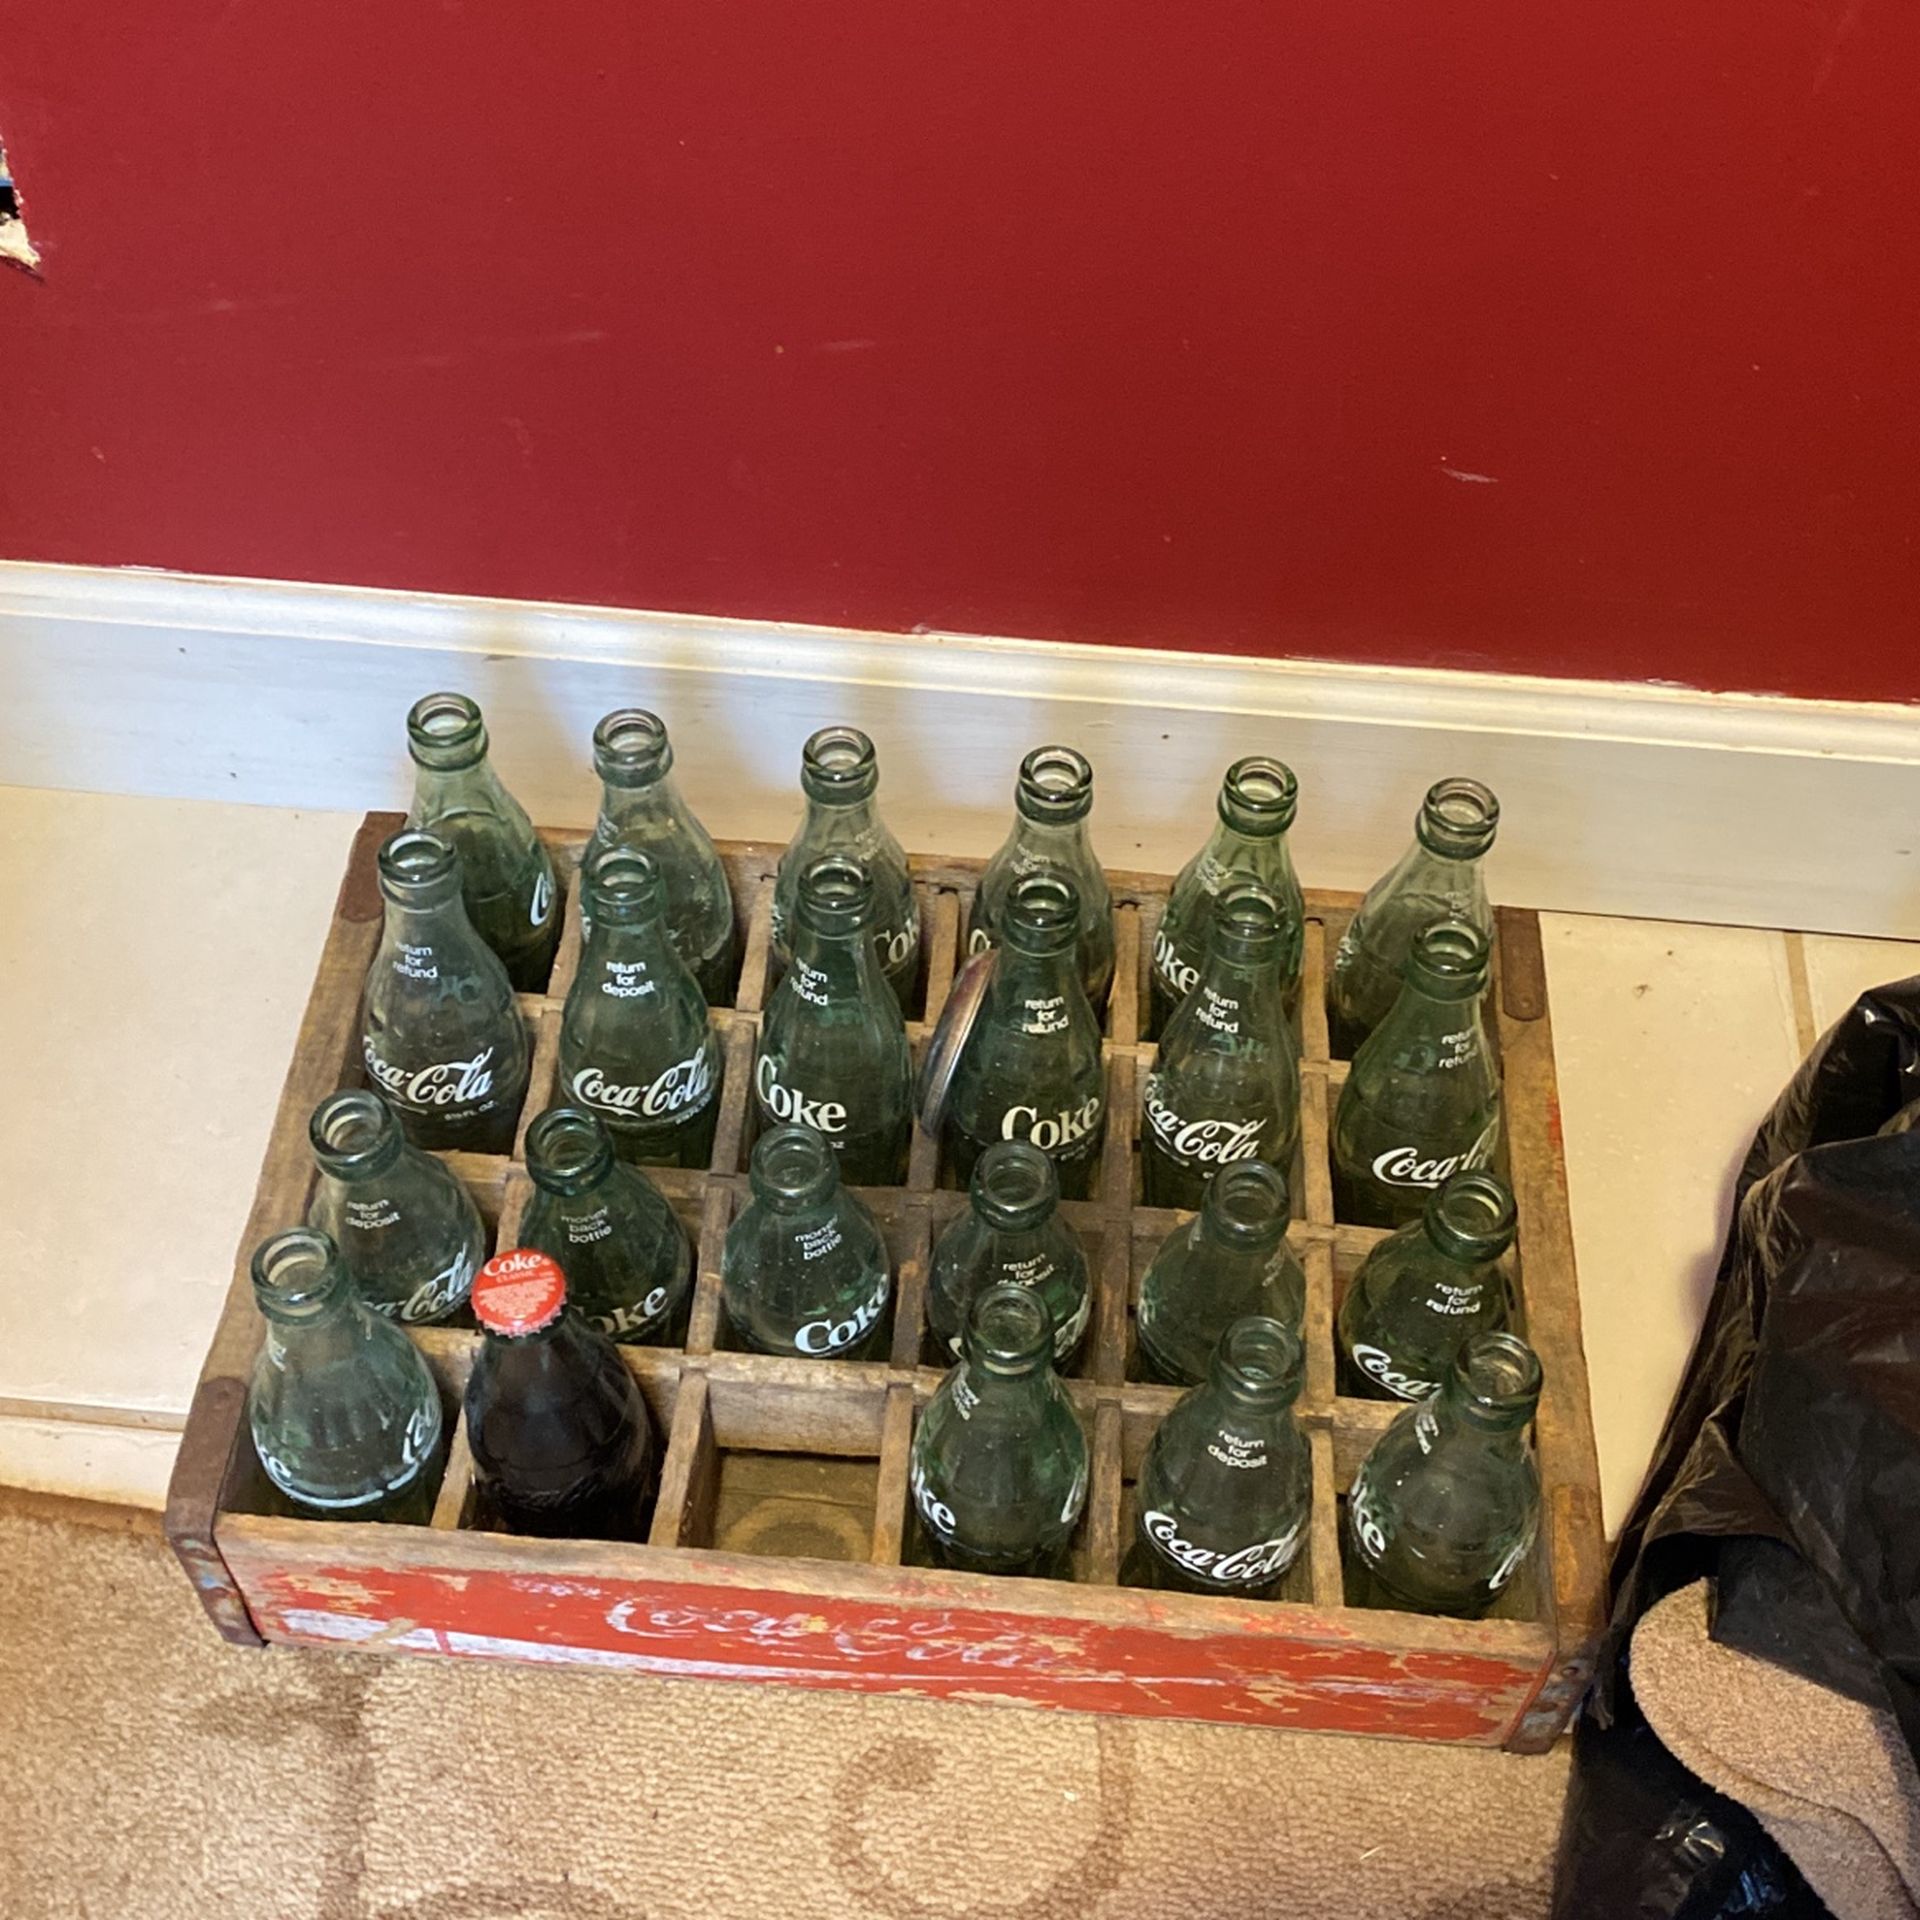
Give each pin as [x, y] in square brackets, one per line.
[148, 1040]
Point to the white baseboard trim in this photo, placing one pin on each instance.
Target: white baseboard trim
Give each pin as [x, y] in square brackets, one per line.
[1643, 800]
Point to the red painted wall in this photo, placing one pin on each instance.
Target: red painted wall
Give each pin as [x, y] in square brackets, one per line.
[1116, 320]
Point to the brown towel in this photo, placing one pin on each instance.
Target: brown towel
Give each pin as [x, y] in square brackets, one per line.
[1831, 1781]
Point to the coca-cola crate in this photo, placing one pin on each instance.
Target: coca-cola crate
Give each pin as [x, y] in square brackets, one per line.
[782, 1544]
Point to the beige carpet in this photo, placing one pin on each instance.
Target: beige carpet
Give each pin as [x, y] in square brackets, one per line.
[147, 1769]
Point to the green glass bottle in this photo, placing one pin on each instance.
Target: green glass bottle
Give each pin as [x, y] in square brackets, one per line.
[1256, 807]
[506, 873]
[1225, 1083]
[805, 1273]
[839, 776]
[440, 1034]
[999, 1465]
[1230, 1260]
[344, 1412]
[1437, 878]
[1424, 1290]
[1051, 801]
[1011, 1234]
[407, 1231]
[626, 1256]
[833, 1047]
[636, 1047]
[641, 808]
[1031, 1069]
[1227, 1484]
[1445, 1507]
[1422, 1101]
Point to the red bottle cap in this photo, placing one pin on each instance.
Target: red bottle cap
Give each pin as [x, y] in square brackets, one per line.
[519, 1292]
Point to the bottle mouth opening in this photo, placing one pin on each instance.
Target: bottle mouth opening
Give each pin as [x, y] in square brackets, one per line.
[1262, 1356]
[1042, 913]
[295, 1271]
[838, 764]
[1011, 1330]
[415, 859]
[446, 728]
[1499, 1374]
[567, 1144]
[835, 889]
[1452, 953]
[1474, 1212]
[1459, 818]
[1015, 1183]
[1246, 914]
[622, 883]
[354, 1132]
[630, 747]
[794, 1166]
[1056, 785]
[1248, 1200]
[1259, 795]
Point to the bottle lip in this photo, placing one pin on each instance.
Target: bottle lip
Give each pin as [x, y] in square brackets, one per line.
[838, 767]
[1259, 796]
[621, 885]
[835, 894]
[1472, 1216]
[793, 1167]
[568, 1150]
[1458, 819]
[1009, 1331]
[1245, 922]
[1261, 1360]
[1247, 1204]
[1014, 1186]
[418, 868]
[1496, 1380]
[354, 1134]
[1055, 786]
[445, 732]
[1449, 960]
[297, 1274]
[1042, 914]
[631, 748]
[519, 1292]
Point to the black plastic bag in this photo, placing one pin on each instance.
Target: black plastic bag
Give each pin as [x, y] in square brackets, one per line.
[1789, 1470]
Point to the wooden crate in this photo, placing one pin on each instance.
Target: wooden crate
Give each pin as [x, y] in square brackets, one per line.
[782, 1538]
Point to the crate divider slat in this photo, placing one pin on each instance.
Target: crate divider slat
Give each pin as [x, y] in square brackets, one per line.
[807, 1462]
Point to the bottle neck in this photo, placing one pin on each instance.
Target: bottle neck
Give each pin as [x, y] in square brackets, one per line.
[655, 804]
[998, 1392]
[1239, 995]
[1032, 991]
[1054, 843]
[838, 818]
[1424, 1007]
[423, 927]
[1460, 1421]
[317, 1335]
[1229, 1247]
[629, 960]
[836, 962]
[473, 788]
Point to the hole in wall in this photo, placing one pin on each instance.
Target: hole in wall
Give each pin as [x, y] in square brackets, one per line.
[14, 244]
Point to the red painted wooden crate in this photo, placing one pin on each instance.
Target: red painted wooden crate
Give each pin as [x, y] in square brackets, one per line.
[781, 1545]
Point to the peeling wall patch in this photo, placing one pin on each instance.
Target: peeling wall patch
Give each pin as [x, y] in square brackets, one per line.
[14, 244]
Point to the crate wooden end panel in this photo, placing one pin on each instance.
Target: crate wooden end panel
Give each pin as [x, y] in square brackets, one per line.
[783, 1547]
